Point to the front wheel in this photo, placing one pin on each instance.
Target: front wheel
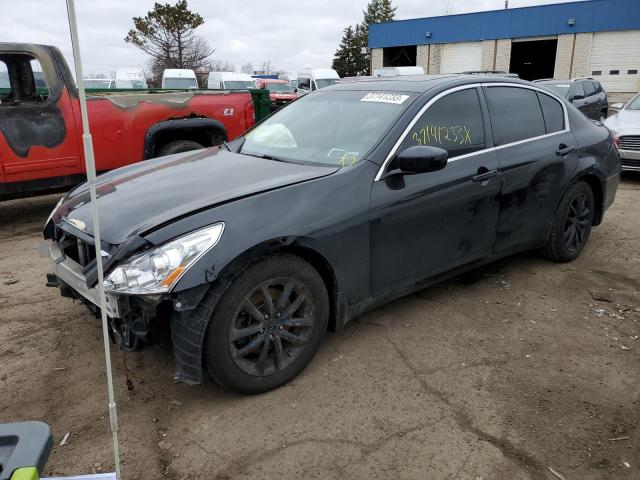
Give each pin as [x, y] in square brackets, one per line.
[267, 325]
[571, 225]
[179, 146]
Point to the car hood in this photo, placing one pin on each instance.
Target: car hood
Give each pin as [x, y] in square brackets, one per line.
[625, 122]
[137, 198]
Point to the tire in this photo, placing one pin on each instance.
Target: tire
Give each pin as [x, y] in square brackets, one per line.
[179, 146]
[571, 224]
[254, 342]
[603, 115]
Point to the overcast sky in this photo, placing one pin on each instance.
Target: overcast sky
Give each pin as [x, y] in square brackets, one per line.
[284, 31]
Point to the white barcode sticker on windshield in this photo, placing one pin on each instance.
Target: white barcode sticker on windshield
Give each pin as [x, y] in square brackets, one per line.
[396, 98]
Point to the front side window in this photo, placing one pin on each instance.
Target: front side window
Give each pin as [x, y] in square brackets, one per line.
[515, 114]
[453, 123]
[553, 113]
[304, 83]
[577, 91]
[5, 85]
[329, 128]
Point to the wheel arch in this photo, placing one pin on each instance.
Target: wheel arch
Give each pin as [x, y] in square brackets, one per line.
[199, 129]
[595, 183]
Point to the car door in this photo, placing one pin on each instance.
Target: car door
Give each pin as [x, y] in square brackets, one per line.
[537, 154]
[424, 224]
[37, 128]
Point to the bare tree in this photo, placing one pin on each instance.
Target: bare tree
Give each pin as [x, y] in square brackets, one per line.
[217, 65]
[266, 66]
[247, 68]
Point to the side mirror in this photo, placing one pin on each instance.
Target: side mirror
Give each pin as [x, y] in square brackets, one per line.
[295, 90]
[617, 106]
[422, 159]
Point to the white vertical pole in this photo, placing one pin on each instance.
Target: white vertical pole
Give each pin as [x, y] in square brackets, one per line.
[90, 164]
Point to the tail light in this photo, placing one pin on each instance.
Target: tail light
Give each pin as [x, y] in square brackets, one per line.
[249, 115]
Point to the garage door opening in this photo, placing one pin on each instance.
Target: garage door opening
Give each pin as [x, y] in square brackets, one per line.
[399, 56]
[533, 59]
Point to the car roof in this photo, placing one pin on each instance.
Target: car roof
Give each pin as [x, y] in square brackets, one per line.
[421, 83]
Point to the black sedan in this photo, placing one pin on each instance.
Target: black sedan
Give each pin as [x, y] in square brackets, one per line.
[345, 199]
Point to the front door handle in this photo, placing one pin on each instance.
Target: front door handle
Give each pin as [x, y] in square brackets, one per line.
[483, 175]
[564, 150]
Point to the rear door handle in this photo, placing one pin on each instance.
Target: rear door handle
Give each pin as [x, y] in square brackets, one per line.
[564, 150]
[483, 175]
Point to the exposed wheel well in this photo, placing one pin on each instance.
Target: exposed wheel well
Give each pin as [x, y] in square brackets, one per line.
[205, 136]
[598, 196]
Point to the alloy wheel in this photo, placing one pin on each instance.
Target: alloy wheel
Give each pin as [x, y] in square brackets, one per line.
[579, 219]
[271, 327]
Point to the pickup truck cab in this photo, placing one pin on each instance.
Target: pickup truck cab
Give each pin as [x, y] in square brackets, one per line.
[40, 129]
[280, 91]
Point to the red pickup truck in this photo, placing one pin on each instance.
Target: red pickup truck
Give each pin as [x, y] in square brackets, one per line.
[41, 132]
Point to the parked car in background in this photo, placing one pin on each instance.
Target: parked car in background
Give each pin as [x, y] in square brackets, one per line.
[41, 133]
[252, 250]
[397, 71]
[131, 77]
[626, 126]
[230, 81]
[99, 83]
[586, 94]
[311, 79]
[280, 91]
[500, 73]
[179, 78]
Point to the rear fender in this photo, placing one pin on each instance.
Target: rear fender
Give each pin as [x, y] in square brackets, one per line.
[176, 125]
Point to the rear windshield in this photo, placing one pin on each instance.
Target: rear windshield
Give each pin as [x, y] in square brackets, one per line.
[325, 82]
[561, 89]
[180, 83]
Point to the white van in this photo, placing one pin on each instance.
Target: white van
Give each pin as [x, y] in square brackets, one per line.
[229, 81]
[397, 71]
[316, 78]
[292, 77]
[130, 77]
[179, 78]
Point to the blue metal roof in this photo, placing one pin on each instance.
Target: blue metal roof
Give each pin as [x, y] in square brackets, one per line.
[589, 16]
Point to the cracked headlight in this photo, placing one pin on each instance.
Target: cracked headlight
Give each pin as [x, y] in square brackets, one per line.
[158, 270]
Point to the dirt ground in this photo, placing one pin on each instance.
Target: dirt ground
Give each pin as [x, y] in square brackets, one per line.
[506, 372]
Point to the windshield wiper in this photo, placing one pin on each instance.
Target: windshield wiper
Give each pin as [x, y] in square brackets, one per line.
[271, 157]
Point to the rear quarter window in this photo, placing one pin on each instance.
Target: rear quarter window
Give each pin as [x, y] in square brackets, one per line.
[552, 112]
[515, 114]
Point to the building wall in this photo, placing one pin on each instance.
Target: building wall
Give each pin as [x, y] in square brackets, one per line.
[503, 54]
[422, 57]
[488, 51]
[572, 55]
[581, 55]
[434, 58]
[376, 58]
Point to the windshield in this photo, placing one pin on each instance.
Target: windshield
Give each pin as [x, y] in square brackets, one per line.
[634, 103]
[279, 87]
[325, 82]
[180, 83]
[97, 83]
[238, 84]
[561, 89]
[331, 128]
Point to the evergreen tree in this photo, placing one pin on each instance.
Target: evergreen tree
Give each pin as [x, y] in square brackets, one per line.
[352, 57]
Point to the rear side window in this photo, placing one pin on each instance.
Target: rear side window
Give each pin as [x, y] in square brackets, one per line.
[515, 114]
[598, 87]
[589, 89]
[552, 112]
[453, 123]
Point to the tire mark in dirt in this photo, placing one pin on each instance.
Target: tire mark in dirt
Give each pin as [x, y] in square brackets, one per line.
[508, 449]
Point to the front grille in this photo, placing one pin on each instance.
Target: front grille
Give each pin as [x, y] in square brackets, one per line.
[630, 142]
[75, 248]
[629, 162]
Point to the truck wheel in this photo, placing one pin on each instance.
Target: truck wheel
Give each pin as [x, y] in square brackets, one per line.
[571, 224]
[179, 146]
[267, 326]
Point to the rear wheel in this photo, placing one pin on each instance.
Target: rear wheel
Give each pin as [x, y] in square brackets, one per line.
[267, 325]
[571, 224]
[179, 146]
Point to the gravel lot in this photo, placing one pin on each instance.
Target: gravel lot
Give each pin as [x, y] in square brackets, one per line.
[513, 369]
